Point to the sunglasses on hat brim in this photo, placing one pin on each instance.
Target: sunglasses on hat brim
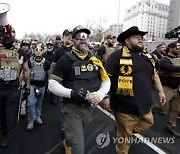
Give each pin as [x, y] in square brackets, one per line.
[38, 49]
[81, 36]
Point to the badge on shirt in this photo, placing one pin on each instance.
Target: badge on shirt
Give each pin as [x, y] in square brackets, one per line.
[90, 67]
[83, 68]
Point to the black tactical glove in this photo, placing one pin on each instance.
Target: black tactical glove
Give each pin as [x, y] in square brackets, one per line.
[79, 95]
[26, 91]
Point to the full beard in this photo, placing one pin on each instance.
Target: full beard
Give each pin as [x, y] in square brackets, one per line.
[137, 48]
[110, 45]
[176, 53]
[82, 49]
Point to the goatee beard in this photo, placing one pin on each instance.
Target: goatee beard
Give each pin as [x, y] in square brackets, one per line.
[82, 50]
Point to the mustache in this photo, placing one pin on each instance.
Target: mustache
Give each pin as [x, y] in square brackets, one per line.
[83, 42]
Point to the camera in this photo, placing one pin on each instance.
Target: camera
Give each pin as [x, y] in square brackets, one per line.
[173, 33]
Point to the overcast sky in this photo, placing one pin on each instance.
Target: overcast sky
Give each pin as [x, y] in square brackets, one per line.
[53, 16]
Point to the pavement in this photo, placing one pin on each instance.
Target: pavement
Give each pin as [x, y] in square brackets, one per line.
[99, 135]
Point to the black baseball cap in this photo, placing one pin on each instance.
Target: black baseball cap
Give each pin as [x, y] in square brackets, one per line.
[80, 28]
[58, 38]
[161, 44]
[110, 36]
[172, 44]
[67, 31]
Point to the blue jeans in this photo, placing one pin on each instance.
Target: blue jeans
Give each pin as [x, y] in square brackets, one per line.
[34, 104]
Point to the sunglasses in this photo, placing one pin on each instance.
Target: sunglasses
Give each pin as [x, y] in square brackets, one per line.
[39, 49]
[49, 44]
[25, 44]
[81, 36]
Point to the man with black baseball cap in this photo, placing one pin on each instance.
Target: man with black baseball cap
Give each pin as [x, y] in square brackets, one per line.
[160, 50]
[133, 78]
[57, 43]
[59, 52]
[106, 48]
[66, 32]
[79, 30]
[82, 80]
[58, 38]
[170, 78]
[66, 45]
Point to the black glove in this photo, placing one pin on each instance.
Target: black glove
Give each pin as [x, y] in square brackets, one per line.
[26, 92]
[79, 95]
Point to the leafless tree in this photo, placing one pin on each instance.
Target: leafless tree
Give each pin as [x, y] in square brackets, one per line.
[97, 28]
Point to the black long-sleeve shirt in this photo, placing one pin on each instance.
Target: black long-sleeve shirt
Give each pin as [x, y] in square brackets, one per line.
[101, 51]
[166, 65]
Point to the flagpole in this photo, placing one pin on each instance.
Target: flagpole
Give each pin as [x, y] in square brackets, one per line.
[118, 18]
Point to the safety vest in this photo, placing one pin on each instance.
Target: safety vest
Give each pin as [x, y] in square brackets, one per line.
[84, 74]
[9, 64]
[174, 62]
[108, 52]
[37, 70]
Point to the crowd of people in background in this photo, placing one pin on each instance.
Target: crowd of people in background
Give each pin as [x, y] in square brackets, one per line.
[42, 59]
